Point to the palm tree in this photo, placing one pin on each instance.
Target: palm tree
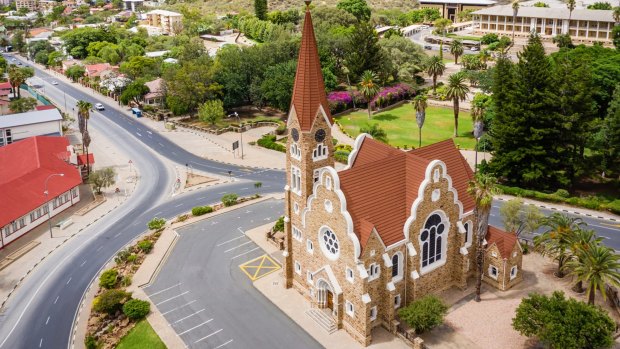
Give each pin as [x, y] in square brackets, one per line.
[616, 14]
[435, 68]
[477, 113]
[84, 108]
[457, 91]
[571, 7]
[482, 188]
[581, 241]
[369, 88]
[456, 48]
[599, 267]
[419, 103]
[375, 132]
[515, 11]
[556, 241]
[17, 76]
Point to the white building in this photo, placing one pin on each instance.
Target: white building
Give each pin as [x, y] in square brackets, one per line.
[14, 127]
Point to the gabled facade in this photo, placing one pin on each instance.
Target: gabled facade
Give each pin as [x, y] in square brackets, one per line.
[391, 228]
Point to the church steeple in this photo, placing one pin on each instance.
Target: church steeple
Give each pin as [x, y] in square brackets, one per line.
[309, 89]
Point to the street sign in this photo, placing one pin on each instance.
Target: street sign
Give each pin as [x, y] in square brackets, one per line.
[235, 145]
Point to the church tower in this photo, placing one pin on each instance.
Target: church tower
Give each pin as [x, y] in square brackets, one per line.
[309, 144]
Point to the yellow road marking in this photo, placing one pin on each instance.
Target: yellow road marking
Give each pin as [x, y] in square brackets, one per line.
[611, 225]
[261, 269]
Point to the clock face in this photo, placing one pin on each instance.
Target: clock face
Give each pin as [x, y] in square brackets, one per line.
[295, 134]
[319, 136]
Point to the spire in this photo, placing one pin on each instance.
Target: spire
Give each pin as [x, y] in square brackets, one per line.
[309, 89]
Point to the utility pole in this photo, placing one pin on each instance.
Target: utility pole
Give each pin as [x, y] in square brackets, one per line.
[46, 192]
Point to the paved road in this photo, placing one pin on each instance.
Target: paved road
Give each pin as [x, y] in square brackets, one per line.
[203, 273]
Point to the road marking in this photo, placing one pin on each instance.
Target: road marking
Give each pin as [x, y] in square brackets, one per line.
[231, 240]
[173, 153]
[149, 132]
[195, 327]
[179, 307]
[207, 336]
[164, 290]
[600, 226]
[160, 144]
[214, 223]
[171, 298]
[158, 213]
[117, 235]
[241, 231]
[259, 267]
[48, 320]
[40, 342]
[188, 316]
[179, 205]
[221, 345]
[139, 135]
[236, 247]
[56, 300]
[99, 249]
[237, 256]
[81, 265]
[202, 198]
[68, 281]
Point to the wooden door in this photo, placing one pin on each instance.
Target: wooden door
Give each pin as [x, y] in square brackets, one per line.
[330, 300]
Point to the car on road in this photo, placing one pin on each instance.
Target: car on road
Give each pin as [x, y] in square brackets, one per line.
[473, 49]
[54, 82]
[13, 59]
[19, 63]
[428, 47]
[99, 106]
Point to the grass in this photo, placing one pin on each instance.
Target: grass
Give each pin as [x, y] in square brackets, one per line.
[401, 128]
[140, 337]
[225, 122]
[464, 37]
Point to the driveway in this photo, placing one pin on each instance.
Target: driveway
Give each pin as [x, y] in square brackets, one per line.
[205, 289]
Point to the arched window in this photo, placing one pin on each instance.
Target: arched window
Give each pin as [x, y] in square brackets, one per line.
[469, 227]
[397, 267]
[433, 240]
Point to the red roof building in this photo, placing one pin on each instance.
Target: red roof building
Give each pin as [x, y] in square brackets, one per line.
[45, 107]
[25, 166]
[94, 70]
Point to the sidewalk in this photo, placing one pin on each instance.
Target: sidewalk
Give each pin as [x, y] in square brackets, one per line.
[106, 155]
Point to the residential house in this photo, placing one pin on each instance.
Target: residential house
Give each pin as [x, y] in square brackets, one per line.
[156, 92]
[169, 22]
[15, 127]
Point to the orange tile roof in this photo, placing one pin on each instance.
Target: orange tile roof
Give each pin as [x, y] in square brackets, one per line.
[309, 89]
[383, 183]
[505, 241]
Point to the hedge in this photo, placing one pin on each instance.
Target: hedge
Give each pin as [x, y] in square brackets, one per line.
[269, 142]
[200, 210]
[136, 309]
[108, 279]
[110, 301]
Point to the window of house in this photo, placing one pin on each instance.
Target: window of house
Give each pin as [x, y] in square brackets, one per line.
[316, 176]
[309, 246]
[469, 231]
[349, 275]
[397, 267]
[32, 216]
[397, 301]
[295, 151]
[329, 244]
[433, 242]
[14, 226]
[296, 208]
[350, 308]
[320, 152]
[309, 276]
[22, 222]
[296, 234]
[74, 192]
[513, 272]
[7, 230]
[373, 271]
[46, 209]
[493, 272]
[297, 267]
[373, 313]
[296, 180]
[55, 203]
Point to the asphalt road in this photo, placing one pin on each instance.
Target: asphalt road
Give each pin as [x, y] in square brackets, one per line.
[208, 300]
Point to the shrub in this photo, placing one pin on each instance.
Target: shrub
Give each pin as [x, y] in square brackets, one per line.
[126, 281]
[200, 210]
[229, 199]
[614, 206]
[132, 258]
[525, 247]
[145, 246]
[279, 226]
[489, 38]
[424, 314]
[90, 342]
[344, 147]
[269, 142]
[281, 130]
[121, 256]
[110, 301]
[108, 279]
[136, 309]
[182, 218]
[156, 223]
[341, 156]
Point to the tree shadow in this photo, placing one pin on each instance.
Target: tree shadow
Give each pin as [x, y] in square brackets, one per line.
[385, 117]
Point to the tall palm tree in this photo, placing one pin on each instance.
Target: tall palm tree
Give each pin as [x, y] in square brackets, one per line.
[556, 241]
[434, 68]
[477, 112]
[598, 268]
[419, 104]
[515, 11]
[84, 108]
[17, 76]
[369, 88]
[442, 24]
[482, 189]
[571, 7]
[457, 91]
[456, 48]
[581, 241]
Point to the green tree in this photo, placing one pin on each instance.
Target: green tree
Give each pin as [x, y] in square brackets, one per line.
[110, 54]
[540, 4]
[581, 241]
[277, 87]
[424, 314]
[482, 189]
[600, 6]
[18, 41]
[364, 51]
[518, 218]
[434, 68]
[230, 199]
[420, 104]
[18, 76]
[570, 4]
[55, 58]
[108, 279]
[189, 85]
[358, 8]
[406, 57]
[368, 88]
[110, 301]
[75, 72]
[134, 93]
[136, 309]
[557, 239]
[76, 41]
[563, 41]
[140, 67]
[211, 111]
[457, 91]
[563, 323]
[260, 9]
[441, 25]
[102, 179]
[22, 105]
[610, 133]
[615, 34]
[456, 48]
[156, 223]
[375, 132]
[597, 268]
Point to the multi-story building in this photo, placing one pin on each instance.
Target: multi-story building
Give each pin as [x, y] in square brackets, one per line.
[31, 5]
[169, 22]
[27, 169]
[390, 228]
[450, 9]
[585, 26]
[14, 127]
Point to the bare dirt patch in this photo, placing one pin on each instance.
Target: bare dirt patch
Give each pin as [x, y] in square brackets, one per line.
[196, 179]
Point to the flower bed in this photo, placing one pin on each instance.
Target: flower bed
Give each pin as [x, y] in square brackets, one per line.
[392, 94]
[339, 101]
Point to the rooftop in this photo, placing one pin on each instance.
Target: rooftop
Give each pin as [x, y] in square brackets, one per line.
[29, 118]
[551, 13]
[163, 13]
[462, 2]
[504, 241]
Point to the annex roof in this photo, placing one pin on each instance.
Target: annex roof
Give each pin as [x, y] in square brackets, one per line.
[29, 118]
[24, 167]
[309, 89]
[504, 241]
[382, 184]
[552, 13]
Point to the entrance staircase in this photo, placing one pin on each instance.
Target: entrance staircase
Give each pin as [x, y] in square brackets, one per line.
[322, 319]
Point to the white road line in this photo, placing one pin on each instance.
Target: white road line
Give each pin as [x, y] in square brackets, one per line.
[179, 307]
[81, 265]
[195, 327]
[160, 144]
[48, 320]
[600, 226]
[223, 192]
[236, 247]
[207, 336]
[202, 198]
[179, 205]
[68, 281]
[241, 231]
[254, 249]
[99, 249]
[149, 132]
[231, 240]
[188, 316]
[173, 153]
[56, 300]
[117, 235]
[139, 135]
[171, 298]
[158, 213]
[40, 342]
[164, 290]
[221, 345]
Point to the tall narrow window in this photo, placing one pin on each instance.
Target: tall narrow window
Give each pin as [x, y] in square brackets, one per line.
[432, 241]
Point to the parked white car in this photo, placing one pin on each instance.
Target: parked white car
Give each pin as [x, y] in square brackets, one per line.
[99, 106]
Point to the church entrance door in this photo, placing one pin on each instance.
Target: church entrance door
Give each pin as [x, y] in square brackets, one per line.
[330, 300]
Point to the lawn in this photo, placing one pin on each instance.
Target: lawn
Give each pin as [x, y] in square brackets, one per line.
[464, 37]
[225, 122]
[401, 128]
[140, 337]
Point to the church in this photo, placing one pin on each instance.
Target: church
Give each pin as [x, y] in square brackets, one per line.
[390, 228]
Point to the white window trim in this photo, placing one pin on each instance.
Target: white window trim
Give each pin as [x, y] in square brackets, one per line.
[297, 234]
[514, 272]
[469, 233]
[351, 311]
[309, 246]
[350, 276]
[322, 150]
[309, 277]
[326, 252]
[295, 151]
[397, 301]
[373, 310]
[444, 245]
[372, 275]
[399, 276]
[297, 268]
[295, 175]
[490, 271]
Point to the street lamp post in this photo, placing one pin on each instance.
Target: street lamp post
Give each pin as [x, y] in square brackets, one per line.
[235, 114]
[46, 192]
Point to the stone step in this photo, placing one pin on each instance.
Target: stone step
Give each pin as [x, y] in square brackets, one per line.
[323, 320]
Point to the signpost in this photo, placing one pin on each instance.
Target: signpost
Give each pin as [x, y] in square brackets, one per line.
[235, 146]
